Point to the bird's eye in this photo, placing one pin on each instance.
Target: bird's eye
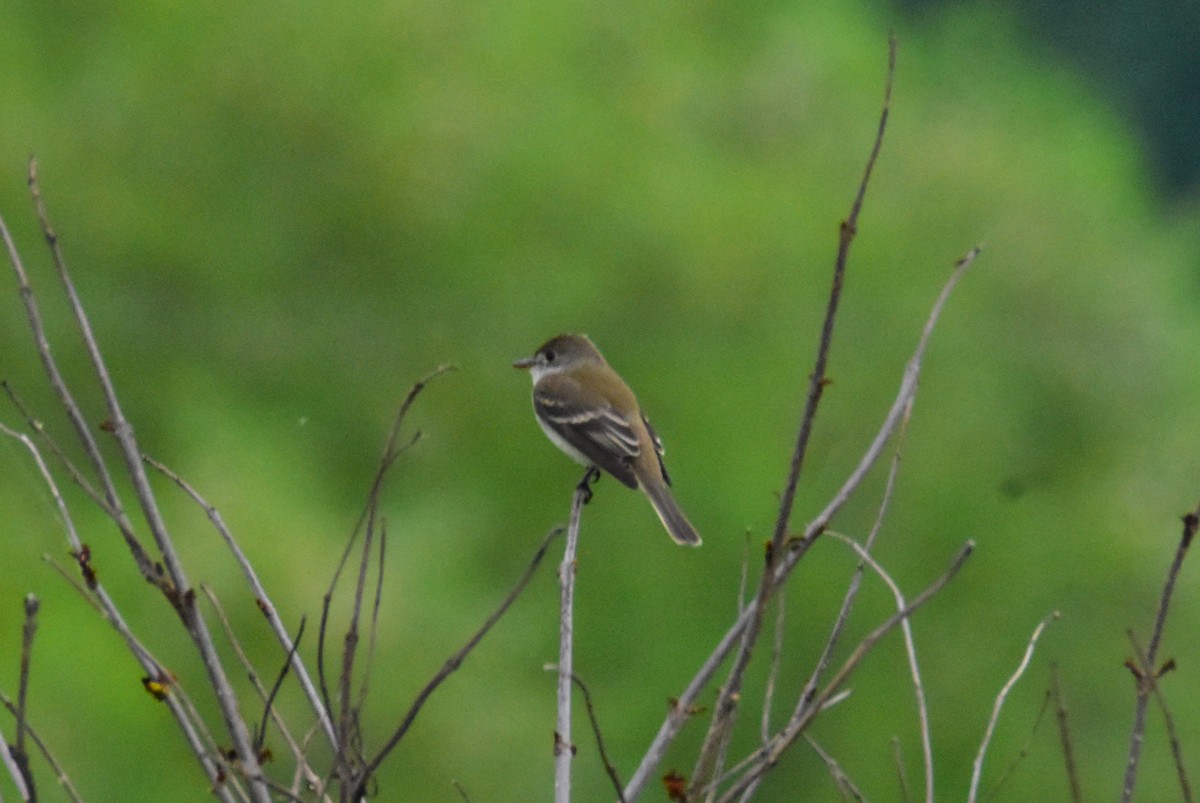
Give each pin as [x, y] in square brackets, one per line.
[549, 356]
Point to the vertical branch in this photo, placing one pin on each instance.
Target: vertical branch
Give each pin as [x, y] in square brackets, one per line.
[178, 591]
[564, 750]
[1064, 735]
[679, 712]
[724, 713]
[18, 753]
[1147, 675]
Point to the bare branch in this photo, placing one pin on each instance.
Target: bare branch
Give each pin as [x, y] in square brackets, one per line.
[15, 755]
[199, 741]
[840, 778]
[455, 661]
[36, 427]
[1147, 677]
[59, 773]
[1185, 786]
[392, 451]
[564, 750]
[977, 772]
[1064, 734]
[298, 753]
[591, 712]
[851, 596]
[261, 597]
[177, 588]
[724, 710]
[901, 776]
[679, 713]
[762, 760]
[773, 671]
[74, 414]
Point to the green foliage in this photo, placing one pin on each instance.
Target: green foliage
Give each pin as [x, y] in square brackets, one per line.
[280, 218]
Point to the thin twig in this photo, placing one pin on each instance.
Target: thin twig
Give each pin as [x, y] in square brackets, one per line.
[1185, 786]
[977, 771]
[55, 449]
[92, 590]
[455, 661]
[60, 774]
[268, 697]
[776, 657]
[759, 762]
[901, 775]
[178, 591]
[373, 628]
[392, 451]
[851, 596]
[67, 399]
[720, 730]
[17, 752]
[261, 597]
[28, 632]
[998, 785]
[1064, 735]
[18, 769]
[840, 778]
[591, 712]
[1147, 677]
[348, 712]
[678, 714]
[910, 650]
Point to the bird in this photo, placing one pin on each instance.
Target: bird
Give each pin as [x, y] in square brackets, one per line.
[588, 412]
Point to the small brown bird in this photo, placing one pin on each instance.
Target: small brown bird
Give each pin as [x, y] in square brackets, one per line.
[588, 411]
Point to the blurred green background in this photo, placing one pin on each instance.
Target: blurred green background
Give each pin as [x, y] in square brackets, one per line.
[280, 216]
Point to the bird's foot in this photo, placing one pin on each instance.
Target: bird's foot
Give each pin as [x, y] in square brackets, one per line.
[585, 485]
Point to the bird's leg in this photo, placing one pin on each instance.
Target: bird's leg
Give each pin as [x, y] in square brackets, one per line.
[585, 484]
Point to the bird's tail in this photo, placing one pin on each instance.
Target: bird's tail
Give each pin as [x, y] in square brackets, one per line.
[678, 527]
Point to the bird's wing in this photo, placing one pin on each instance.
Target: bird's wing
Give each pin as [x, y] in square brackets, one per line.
[590, 424]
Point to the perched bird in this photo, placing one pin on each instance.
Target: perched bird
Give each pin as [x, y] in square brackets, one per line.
[588, 411]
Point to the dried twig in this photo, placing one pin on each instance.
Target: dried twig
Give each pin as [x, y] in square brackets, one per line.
[454, 662]
[261, 597]
[773, 671]
[797, 548]
[303, 770]
[1148, 673]
[170, 578]
[760, 762]
[15, 756]
[591, 712]
[1064, 735]
[724, 710]
[864, 550]
[843, 782]
[977, 772]
[392, 451]
[59, 773]
[1023, 752]
[901, 775]
[199, 740]
[1185, 786]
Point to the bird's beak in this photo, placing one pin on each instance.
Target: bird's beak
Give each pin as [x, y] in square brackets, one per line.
[525, 363]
